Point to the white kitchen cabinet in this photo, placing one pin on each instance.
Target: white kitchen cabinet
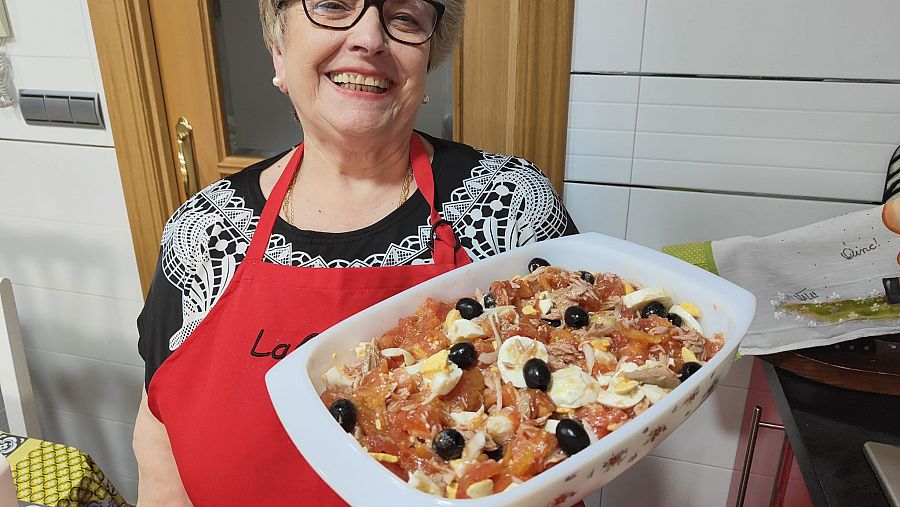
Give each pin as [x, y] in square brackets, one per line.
[607, 35]
[602, 117]
[855, 39]
[807, 139]
[662, 217]
[598, 208]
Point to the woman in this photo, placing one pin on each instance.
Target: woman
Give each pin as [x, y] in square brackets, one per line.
[364, 209]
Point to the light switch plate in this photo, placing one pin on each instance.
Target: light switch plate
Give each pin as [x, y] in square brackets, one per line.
[5, 30]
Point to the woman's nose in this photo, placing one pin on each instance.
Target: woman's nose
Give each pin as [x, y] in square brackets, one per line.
[368, 35]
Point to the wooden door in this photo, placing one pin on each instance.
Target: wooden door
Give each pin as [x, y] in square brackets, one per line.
[165, 63]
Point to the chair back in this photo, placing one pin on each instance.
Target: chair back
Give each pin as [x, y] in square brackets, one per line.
[15, 383]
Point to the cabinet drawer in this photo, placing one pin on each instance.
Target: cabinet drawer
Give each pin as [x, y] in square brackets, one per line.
[662, 217]
[802, 38]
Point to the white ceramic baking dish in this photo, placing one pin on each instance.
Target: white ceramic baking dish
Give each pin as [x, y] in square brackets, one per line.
[295, 383]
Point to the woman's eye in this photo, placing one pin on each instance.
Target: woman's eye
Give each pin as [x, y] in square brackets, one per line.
[406, 22]
[331, 6]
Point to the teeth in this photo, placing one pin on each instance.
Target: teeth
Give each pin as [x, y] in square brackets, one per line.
[346, 79]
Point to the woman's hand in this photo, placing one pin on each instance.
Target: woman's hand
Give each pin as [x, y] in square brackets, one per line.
[158, 479]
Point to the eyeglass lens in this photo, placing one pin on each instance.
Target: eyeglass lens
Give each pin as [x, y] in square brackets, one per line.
[411, 21]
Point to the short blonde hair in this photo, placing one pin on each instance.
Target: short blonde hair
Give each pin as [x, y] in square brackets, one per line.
[442, 43]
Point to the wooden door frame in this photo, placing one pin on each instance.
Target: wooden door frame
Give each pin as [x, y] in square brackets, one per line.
[520, 108]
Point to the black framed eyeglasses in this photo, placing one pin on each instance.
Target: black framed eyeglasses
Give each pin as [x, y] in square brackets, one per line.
[410, 22]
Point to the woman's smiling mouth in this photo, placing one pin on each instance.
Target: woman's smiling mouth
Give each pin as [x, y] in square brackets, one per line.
[360, 83]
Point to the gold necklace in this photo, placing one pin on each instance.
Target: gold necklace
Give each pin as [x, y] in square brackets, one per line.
[287, 206]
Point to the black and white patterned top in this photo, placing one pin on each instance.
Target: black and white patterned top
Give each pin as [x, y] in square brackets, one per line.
[494, 203]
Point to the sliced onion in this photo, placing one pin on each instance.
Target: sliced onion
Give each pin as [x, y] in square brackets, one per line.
[397, 352]
[588, 357]
[489, 357]
[474, 446]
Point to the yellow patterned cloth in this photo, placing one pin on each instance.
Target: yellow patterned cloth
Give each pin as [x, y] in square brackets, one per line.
[699, 254]
[57, 475]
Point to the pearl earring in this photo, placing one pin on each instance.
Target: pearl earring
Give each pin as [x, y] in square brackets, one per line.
[277, 82]
[426, 99]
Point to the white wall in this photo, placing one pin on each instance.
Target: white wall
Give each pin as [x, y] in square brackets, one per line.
[66, 245]
[693, 120]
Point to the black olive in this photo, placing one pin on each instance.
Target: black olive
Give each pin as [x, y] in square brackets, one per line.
[572, 436]
[674, 319]
[496, 454]
[537, 374]
[344, 412]
[489, 300]
[553, 322]
[688, 369]
[587, 276]
[576, 317]
[463, 355]
[449, 444]
[469, 308]
[535, 263]
[654, 308]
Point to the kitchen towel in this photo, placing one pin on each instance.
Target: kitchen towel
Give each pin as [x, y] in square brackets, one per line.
[816, 285]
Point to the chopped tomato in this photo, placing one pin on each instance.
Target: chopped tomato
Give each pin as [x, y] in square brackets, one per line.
[525, 455]
[468, 395]
[601, 418]
[484, 470]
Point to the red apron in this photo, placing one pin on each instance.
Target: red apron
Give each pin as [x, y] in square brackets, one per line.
[210, 393]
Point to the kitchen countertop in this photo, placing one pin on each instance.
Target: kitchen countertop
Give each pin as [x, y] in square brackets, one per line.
[827, 427]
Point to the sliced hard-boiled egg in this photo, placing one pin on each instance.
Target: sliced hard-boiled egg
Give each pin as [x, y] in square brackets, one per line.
[644, 296]
[686, 317]
[499, 426]
[513, 355]
[408, 358]
[440, 374]
[688, 356]
[464, 330]
[424, 483]
[551, 425]
[481, 489]
[690, 308]
[337, 377]
[471, 420]
[545, 305]
[611, 398]
[654, 393]
[572, 388]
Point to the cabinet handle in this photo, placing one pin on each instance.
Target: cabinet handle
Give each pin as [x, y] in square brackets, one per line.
[748, 456]
[187, 163]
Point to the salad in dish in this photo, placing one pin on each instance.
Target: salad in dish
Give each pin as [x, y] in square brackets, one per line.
[468, 398]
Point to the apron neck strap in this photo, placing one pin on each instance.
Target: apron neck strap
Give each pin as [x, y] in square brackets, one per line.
[445, 244]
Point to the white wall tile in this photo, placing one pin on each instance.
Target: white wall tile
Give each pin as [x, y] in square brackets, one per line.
[602, 116]
[598, 208]
[747, 136]
[83, 386]
[82, 325]
[607, 35]
[56, 74]
[48, 28]
[72, 257]
[36, 170]
[107, 442]
[773, 38]
[710, 435]
[662, 482]
[663, 217]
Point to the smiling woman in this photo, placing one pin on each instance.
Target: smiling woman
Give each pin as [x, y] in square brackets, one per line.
[260, 262]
